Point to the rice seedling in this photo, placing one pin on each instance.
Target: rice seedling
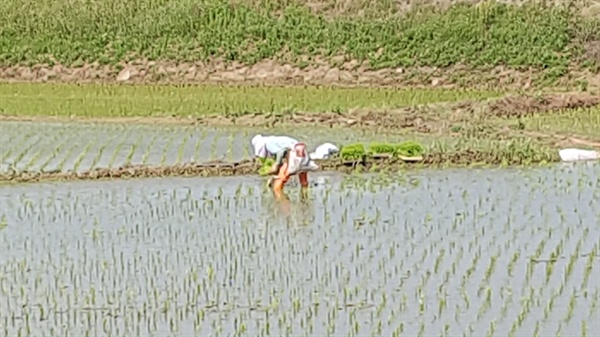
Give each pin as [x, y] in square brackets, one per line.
[26, 149]
[33, 159]
[358, 151]
[83, 154]
[408, 149]
[149, 149]
[230, 146]
[181, 148]
[115, 153]
[17, 139]
[101, 150]
[31, 162]
[133, 148]
[62, 162]
[513, 261]
[201, 138]
[170, 140]
[104, 101]
[431, 157]
[213, 147]
[3, 224]
[589, 265]
[353, 151]
[53, 155]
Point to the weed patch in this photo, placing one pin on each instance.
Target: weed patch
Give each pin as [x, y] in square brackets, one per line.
[111, 31]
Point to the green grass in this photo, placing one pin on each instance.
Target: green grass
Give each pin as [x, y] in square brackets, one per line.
[109, 31]
[121, 101]
[580, 122]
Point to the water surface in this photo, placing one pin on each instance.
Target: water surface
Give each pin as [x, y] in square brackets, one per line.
[432, 253]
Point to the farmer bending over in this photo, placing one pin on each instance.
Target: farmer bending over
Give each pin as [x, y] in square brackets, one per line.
[284, 149]
[273, 146]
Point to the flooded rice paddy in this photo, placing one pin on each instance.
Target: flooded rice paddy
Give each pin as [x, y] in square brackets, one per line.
[434, 253]
[44, 147]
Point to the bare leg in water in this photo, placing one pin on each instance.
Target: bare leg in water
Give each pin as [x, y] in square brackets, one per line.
[279, 161]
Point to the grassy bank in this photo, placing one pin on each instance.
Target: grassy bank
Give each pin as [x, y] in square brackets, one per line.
[141, 101]
[581, 122]
[110, 31]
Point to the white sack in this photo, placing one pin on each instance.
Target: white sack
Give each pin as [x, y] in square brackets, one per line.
[578, 154]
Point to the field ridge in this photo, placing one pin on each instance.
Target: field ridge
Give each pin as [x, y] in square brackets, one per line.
[218, 168]
[428, 118]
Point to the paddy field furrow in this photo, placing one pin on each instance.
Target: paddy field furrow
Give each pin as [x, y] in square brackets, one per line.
[108, 152]
[56, 162]
[23, 157]
[204, 149]
[80, 151]
[152, 151]
[185, 152]
[100, 151]
[221, 146]
[142, 144]
[169, 150]
[14, 151]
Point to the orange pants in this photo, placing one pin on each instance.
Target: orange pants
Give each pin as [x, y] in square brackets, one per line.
[283, 177]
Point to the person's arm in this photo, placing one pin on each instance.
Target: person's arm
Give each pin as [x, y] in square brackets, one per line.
[260, 152]
[279, 157]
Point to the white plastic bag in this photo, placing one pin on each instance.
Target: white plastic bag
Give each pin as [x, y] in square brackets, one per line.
[578, 154]
[324, 151]
[299, 160]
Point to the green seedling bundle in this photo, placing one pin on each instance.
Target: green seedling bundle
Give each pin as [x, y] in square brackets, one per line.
[360, 152]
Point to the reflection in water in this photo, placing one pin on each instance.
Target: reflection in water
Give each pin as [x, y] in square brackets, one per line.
[301, 209]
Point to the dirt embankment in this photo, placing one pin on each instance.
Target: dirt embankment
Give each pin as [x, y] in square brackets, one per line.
[272, 73]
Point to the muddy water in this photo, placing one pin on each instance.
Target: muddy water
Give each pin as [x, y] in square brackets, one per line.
[436, 253]
[81, 147]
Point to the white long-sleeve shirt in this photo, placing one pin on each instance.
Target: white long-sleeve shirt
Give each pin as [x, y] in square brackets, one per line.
[269, 145]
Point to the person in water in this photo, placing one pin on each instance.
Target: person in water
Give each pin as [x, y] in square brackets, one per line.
[277, 147]
[280, 148]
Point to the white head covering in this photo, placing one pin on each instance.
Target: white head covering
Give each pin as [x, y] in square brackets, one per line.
[258, 143]
[256, 139]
